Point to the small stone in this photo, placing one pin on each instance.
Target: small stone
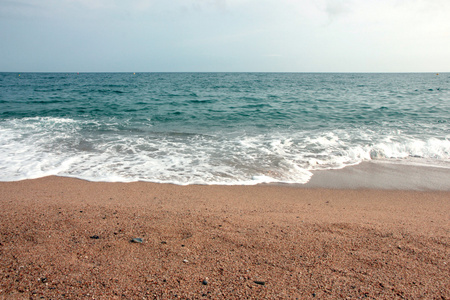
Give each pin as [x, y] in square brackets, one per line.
[137, 240]
[44, 280]
[163, 242]
[95, 237]
[260, 282]
[185, 261]
[204, 282]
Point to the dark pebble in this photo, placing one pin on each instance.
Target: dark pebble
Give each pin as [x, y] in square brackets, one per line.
[44, 280]
[137, 240]
[260, 282]
[163, 242]
[95, 237]
[204, 282]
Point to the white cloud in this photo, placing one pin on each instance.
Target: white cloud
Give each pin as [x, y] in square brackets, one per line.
[303, 35]
[336, 8]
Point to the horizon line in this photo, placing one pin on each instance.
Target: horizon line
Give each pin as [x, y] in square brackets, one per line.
[291, 72]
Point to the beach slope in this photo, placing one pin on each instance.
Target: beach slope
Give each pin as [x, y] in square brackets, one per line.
[63, 238]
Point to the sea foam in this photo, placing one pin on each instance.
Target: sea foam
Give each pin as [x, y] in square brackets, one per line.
[36, 147]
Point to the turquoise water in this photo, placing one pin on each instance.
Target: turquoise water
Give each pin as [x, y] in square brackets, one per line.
[218, 128]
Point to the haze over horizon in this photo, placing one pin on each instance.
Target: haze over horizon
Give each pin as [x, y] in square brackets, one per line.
[224, 36]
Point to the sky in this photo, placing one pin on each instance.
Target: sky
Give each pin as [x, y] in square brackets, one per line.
[224, 35]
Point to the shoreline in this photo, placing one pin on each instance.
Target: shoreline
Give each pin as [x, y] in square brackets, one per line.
[69, 238]
[372, 175]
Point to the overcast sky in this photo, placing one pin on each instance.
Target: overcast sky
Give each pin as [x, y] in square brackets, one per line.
[225, 35]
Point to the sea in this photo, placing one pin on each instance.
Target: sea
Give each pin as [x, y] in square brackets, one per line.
[218, 128]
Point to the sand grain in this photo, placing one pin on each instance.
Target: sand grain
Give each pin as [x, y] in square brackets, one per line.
[253, 242]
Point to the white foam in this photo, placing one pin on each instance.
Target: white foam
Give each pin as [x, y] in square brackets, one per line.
[36, 147]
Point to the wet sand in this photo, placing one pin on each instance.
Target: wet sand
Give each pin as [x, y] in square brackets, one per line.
[383, 176]
[63, 238]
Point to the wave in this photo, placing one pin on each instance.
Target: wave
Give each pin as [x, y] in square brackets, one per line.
[111, 150]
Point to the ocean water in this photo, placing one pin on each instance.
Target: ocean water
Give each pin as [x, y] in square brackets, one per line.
[218, 128]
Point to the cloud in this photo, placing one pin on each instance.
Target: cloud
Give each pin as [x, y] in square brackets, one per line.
[336, 8]
[293, 35]
[11, 9]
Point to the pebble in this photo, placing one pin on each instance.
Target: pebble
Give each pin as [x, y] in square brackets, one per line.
[95, 237]
[185, 261]
[137, 240]
[204, 282]
[260, 282]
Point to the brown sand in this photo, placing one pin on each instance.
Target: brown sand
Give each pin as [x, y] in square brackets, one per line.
[216, 242]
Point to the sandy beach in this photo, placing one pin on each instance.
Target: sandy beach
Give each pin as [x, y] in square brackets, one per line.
[63, 238]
